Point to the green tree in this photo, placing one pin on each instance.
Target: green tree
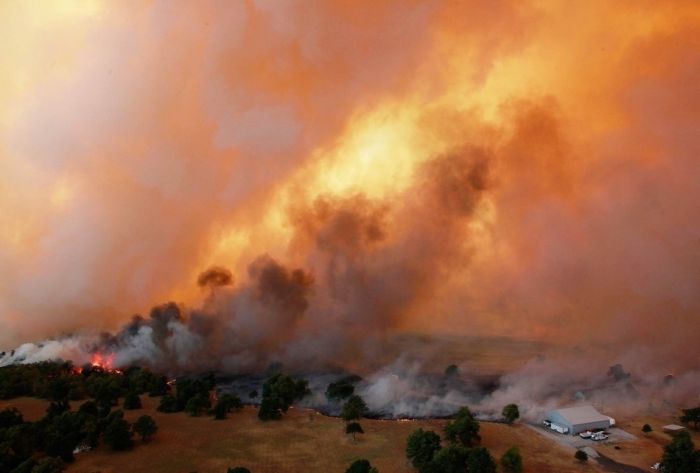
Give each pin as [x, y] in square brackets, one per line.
[146, 427]
[354, 408]
[451, 371]
[481, 460]
[132, 401]
[10, 417]
[354, 428]
[421, 447]
[646, 428]
[512, 461]
[158, 386]
[167, 404]
[49, 465]
[361, 466]
[231, 401]
[89, 408]
[581, 456]
[220, 411]
[118, 434]
[691, 416]
[61, 434]
[680, 456]
[57, 408]
[451, 459]
[342, 389]
[464, 428]
[197, 404]
[511, 413]
[59, 388]
[279, 392]
[238, 469]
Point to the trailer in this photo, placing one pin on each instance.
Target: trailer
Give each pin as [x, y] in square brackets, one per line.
[559, 428]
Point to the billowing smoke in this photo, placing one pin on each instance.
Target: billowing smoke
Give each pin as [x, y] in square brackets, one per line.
[358, 171]
[215, 277]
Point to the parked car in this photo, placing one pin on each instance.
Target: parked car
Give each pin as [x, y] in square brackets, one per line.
[585, 435]
[546, 423]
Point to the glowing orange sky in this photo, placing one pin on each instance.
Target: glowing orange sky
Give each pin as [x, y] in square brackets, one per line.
[142, 143]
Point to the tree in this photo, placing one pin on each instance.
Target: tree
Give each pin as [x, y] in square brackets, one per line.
[512, 461]
[89, 408]
[511, 413]
[451, 371]
[279, 392]
[10, 417]
[342, 389]
[146, 427]
[225, 404]
[49, 465]
[451, 459]
[646, 428]
[421, 447]
[481, 460]
[59, 388]
[195, 405]
[132, 401]
[59, 435]
[581, 456]
[354, 428]
[238, 469]
[167, 404]
[57, 408]
[158, 386]
[464, 428]
[354, 408]
[118, 434]
[680, 456]
[691, 416]
[220, 411]
[231, 402]
[361, 466]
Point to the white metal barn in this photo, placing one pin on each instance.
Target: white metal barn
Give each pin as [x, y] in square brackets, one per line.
[579, 419]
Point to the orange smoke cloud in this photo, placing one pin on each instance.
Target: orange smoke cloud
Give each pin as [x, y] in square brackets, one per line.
[493, 167]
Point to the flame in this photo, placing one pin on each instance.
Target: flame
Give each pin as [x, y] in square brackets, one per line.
[104, 363]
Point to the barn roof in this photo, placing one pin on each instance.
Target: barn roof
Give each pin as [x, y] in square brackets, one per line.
[581, 415]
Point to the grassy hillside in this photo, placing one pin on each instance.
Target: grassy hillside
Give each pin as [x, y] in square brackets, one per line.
[302, 442]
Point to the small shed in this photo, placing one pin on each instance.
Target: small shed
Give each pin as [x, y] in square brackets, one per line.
[673, 428]
[579, 419]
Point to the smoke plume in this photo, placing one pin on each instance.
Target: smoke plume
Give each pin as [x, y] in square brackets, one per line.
[360, 170]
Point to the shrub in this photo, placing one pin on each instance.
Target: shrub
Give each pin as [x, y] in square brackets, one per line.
[512, 461]
[464, 428]
[361, 466]
[354, 408]
[146, 427]
[132, 401]
[511, 413]
[421, 447]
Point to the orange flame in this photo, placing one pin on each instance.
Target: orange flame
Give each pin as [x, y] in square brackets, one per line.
[104, 362]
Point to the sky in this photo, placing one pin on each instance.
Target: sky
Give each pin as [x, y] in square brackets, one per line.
[519, 168]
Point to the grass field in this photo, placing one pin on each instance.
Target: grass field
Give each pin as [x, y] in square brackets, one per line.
[647, 449]
[303, 441]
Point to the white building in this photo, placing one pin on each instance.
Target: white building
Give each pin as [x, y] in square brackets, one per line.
[579, 419]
